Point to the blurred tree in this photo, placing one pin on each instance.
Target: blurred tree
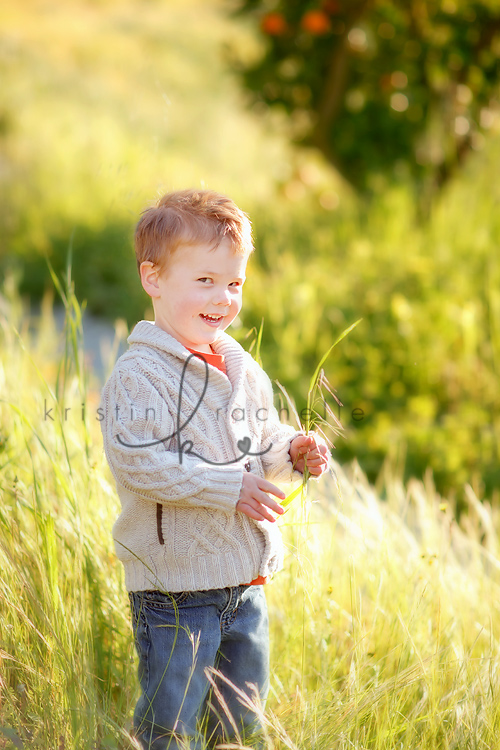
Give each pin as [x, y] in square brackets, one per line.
[394, 87]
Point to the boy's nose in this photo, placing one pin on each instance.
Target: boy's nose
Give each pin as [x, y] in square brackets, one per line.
[222, 297]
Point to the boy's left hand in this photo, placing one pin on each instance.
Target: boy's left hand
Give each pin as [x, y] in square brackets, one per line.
[305, 450]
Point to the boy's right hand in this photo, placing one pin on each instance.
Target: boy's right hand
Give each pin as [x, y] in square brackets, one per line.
[254, 501]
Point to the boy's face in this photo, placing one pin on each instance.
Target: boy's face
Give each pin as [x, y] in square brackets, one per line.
[198, 294]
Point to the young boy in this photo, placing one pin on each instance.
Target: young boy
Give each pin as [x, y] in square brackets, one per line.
[193, 440]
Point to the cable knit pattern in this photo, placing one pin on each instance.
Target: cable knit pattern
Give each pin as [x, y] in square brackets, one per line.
[174, 443]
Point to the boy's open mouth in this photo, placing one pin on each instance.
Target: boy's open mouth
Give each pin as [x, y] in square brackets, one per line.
[211, 318]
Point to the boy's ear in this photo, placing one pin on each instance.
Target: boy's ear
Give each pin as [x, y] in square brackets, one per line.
[149, 278]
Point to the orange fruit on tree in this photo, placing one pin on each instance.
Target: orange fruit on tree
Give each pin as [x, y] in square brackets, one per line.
[273, 24]
[315, 22]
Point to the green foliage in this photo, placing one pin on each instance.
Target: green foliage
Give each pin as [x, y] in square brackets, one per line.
[388, 87]
[102, 270]
[418, 376]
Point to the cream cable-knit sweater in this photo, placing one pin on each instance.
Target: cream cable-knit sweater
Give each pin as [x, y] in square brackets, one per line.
[178, 529]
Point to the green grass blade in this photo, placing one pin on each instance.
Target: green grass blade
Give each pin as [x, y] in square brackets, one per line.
[323, 359]
[291, 497]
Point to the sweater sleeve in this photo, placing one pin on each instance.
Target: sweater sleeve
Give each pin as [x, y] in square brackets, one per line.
[275, 435]
[138, 427]
[276, 461]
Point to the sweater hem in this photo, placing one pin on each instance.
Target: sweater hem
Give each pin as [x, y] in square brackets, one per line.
[193, 573]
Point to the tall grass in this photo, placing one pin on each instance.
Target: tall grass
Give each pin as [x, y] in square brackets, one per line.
[384, 622]
[66, 653]
[401, 622]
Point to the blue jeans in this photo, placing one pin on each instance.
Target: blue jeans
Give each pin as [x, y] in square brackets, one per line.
[178, 636]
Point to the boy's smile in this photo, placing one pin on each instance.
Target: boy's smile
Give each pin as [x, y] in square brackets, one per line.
[198, 294]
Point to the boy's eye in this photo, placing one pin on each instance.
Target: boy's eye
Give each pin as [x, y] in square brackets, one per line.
[205, 280]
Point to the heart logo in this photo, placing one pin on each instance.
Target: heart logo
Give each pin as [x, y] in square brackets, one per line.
[244, 445]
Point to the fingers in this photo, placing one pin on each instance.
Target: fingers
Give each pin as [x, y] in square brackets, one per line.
[314, 458]
[261, 499]
[313, 455]
[248, 510]
[317, 470]
[267, 487]
[255, 500]
[257, 511]
[302, 443]
[306, 445]
[317, 457]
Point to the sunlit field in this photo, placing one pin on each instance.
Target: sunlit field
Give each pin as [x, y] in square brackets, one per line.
[384, 621]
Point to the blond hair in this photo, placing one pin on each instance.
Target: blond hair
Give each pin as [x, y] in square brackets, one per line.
[188, 217]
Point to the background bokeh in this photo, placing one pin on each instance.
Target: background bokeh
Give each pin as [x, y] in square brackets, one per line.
[384, 621]
[106, 103]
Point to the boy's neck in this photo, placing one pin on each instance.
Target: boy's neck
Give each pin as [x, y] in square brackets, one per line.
[201, 349]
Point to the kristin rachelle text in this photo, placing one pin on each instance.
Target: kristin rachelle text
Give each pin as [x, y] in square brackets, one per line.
[54, 411]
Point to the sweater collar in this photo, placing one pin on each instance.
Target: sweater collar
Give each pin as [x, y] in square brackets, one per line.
[147, 333]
